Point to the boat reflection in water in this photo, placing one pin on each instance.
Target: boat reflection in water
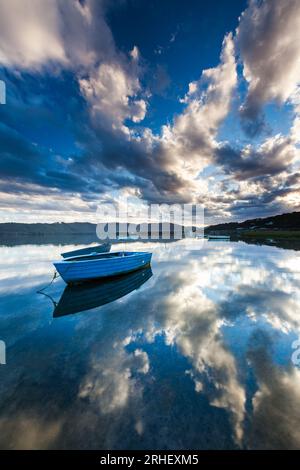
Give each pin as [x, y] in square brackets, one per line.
[90, 295]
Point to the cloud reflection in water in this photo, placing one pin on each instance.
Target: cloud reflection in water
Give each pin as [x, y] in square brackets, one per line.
[198, 357]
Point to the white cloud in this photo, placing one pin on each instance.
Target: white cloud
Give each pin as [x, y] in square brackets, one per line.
[191, 138]
[111, 92]
[79, 39]
[135, 53]
[295, 133]
[187, 146]
[38, 33]
[268, 37]
[75, 36]
[28, 36]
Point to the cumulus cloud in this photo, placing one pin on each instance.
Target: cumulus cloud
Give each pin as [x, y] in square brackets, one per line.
[268, 37]
[260, 177]
[28, 37]
[110, 92]
[269, 44]
[191, 139]
[105, 101]
[167, 164]
[64, 36]
[275, 155]
[73, 35]
[174, 158]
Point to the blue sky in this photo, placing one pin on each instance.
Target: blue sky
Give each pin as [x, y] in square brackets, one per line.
[157, 101]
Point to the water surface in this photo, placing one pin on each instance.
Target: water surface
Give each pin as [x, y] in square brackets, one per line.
[195, 354]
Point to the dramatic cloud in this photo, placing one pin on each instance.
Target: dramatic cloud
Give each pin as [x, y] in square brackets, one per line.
[168, 163]
[65, 36]
[109, 91]
[190, 140]
[28, 36]
[73, 35]
[268, 37]
[273, 156]
[269, 44]
[65, 73]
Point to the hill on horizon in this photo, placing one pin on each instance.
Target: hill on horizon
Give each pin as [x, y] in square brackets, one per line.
[287, 221]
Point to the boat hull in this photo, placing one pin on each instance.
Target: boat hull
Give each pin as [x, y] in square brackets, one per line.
[73, 271]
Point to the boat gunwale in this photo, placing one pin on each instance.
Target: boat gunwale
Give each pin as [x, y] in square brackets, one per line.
[86, 251]
[96, 258]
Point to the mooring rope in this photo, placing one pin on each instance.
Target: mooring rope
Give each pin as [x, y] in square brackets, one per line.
[55, 275]
[41, 291]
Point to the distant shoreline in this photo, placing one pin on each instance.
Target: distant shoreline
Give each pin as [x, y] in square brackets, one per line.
[276, 234]
[279, 227]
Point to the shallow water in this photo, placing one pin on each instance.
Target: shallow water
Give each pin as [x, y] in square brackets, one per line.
[196, 355]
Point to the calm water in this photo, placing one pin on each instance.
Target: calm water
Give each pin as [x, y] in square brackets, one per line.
[199, 356]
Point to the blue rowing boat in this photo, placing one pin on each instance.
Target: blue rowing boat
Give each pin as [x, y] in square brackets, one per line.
[94, 266]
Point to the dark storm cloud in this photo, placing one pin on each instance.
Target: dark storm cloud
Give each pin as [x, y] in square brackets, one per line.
[266, 199]
[24, 162]
[274, 156]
